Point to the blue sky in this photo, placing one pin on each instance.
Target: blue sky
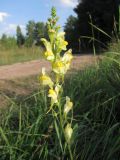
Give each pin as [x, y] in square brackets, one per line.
[19, 12]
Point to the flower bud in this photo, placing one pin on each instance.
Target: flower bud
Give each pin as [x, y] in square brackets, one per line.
[68, 106]
[68, 133]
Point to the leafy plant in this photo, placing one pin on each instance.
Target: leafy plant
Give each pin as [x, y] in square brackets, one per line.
[60, 64]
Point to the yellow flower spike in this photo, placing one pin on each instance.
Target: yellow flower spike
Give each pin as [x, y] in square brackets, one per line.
[49, 55]
[53, 95]
[45, 80]
[59, 67]
[68, 133]
[68, 105]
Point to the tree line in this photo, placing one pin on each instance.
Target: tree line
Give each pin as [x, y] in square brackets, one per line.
[34, 32]
[96, 23]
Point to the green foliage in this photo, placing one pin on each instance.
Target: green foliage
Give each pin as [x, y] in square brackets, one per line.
[30, 34]
[114, 46]
[20, 37]
[35, 31]
[102, 14]
[7, 42]
[97, 95]
[40, 32]
[27, 132]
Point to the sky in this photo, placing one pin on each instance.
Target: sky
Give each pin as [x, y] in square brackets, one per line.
[19, 12]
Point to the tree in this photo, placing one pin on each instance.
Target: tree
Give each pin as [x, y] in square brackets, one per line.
[40, 32]
[100, 13]
[71, 32]
[20, 37]
[30, 38]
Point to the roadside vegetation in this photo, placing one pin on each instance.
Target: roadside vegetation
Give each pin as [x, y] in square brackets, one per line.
[26, 126]
[23, 47]
[15, 55]
[26, 131]
[72, 117]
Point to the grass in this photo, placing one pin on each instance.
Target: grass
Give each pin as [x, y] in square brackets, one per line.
[27, 132]
[15, 55]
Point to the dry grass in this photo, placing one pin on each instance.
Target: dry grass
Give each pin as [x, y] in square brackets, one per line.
[20, 55]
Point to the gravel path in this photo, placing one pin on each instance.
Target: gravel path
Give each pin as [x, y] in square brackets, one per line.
[25, 69]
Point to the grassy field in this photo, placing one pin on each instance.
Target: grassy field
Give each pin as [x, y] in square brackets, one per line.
[10, 56]
[26, 131]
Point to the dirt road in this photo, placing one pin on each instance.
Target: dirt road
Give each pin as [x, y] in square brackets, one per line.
[26, 69]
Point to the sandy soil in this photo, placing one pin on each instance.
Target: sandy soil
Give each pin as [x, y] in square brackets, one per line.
[21, 79]
[26, 69]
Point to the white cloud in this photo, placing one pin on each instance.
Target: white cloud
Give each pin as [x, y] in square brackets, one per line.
[69, 3]
[11, 29]
[3, 15]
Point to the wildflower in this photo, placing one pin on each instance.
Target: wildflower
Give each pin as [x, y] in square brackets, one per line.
[60, 42]
[61, 35]
[53, 94]
[45, 80]
[51, 34]
[67, 56]
[68, 106]
[68, 133]
[51, 31]
[49, 55]
[46, 44]
[59, 67]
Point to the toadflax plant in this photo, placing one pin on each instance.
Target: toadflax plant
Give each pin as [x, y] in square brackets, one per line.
[60, 64]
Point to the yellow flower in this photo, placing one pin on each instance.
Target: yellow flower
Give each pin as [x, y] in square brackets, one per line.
[45, 80]
[68, 106]
[68, 132]
[67, 56]
[49, 55]
[65, 43]
[53, 94]
[61, 35]
[59, 67]
[62, 44]
[51, 33]
[46, 44]
[60, 41]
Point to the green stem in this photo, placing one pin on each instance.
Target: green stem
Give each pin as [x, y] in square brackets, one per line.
[71, 156]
